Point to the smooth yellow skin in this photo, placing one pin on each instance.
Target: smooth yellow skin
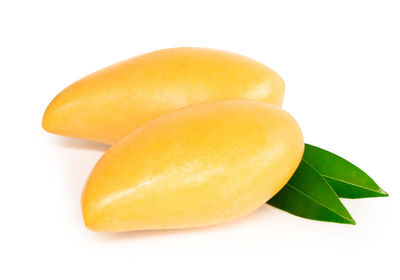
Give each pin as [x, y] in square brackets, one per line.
[196, 166]
[109, 104]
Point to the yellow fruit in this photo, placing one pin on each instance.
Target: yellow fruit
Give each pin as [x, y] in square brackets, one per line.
[200, 165]
[109, 104]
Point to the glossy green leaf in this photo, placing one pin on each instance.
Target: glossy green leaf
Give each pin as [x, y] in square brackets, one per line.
[308, 195]
[346, 179]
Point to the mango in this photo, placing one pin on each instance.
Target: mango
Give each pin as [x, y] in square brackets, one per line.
[196, 166]
[109, 104]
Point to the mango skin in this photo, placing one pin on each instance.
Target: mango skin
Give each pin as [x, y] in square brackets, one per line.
[109, 104]
[201, 165]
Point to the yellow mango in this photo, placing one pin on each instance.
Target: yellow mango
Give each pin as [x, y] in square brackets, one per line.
[200, 165]
[109, 104]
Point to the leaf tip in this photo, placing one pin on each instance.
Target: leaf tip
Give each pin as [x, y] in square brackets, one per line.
[352, 222]
[384, 193]
[349, 220]
[381, 193]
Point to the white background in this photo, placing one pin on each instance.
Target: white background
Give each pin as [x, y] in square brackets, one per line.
[340, 61]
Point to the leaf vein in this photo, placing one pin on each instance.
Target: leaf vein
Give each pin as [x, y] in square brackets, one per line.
[319, 203]
[346, 182]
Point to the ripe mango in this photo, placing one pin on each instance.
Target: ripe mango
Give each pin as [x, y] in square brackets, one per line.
[109, 104]
[199, 165]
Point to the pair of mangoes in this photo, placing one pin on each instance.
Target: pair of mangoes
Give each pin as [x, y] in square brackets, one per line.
[195, 138]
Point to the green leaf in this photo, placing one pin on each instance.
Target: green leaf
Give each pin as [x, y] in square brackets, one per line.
[308, 195]
[346, 179]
